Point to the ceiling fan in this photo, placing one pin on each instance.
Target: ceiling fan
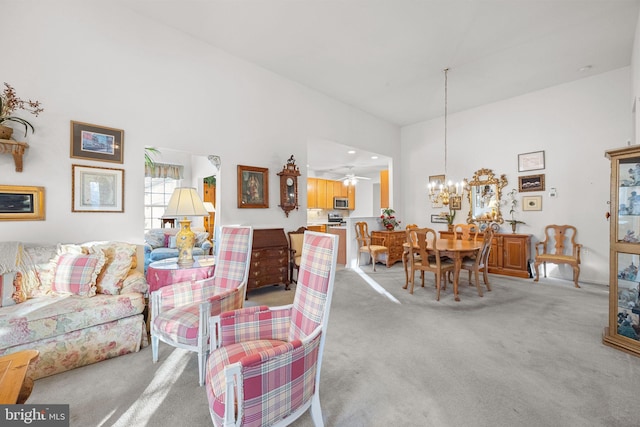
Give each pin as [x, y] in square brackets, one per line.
[352, 179]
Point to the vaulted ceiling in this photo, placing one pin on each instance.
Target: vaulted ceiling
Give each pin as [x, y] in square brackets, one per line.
[387, 57]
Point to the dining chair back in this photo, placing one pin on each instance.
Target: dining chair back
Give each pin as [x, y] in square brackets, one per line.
[365, 246]
[480, 262]
[295, 251]
[428, 259]
[466, 231]
[559, 247]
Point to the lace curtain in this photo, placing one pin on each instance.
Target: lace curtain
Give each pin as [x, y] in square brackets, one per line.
[163, 170]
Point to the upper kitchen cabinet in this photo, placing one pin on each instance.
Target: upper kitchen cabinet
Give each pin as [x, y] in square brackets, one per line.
[384, 189]
[320, 193]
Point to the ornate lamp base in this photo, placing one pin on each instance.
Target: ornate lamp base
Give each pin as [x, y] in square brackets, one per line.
[185, 239]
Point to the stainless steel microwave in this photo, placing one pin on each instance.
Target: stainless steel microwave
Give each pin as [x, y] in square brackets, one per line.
[340, 203]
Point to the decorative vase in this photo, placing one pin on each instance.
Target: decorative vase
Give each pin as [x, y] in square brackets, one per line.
[5, 132]
[513, 227]
[185, 239]
[450, 227]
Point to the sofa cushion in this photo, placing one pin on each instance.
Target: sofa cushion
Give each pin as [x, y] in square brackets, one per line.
[55, 314]
[77, 273]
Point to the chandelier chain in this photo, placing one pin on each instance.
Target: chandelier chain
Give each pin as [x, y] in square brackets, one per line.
[446, 72]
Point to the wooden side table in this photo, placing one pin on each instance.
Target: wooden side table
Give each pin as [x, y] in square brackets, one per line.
[15, 386]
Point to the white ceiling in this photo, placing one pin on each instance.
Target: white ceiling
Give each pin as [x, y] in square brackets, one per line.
[387, 57]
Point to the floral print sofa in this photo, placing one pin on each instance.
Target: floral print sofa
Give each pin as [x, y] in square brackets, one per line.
[75, 304]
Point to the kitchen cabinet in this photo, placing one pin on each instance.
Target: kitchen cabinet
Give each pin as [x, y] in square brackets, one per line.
[312, 193]
[510, 253]
[341, 232]
[623, 330]
[384, 189]
[320, 193]
[351, 194]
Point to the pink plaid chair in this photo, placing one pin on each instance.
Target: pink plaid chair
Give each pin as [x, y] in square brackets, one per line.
[264, 367]
[180, 312]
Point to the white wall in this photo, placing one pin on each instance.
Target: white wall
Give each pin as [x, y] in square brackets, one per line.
[97, 63]
[573, 123]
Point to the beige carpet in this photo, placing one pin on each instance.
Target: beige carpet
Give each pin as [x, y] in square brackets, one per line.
[523, 355]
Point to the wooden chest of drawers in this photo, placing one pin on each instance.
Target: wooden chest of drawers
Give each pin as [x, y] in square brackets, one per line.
[509, 254]
[393, 240]
[269, 258]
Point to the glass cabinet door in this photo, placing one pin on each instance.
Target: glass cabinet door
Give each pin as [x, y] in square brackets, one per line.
[623, 331]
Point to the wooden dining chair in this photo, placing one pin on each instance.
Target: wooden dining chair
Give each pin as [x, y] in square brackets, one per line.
[295, 251]
[480, 262]
[559, 247]
[365, 246]
[429, 259]
[465, 232]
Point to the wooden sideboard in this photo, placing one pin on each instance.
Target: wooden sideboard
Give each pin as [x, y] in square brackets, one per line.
[510, 253]
[393, 240]
[269, 258]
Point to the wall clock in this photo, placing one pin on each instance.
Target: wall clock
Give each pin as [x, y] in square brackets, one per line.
[289, 186]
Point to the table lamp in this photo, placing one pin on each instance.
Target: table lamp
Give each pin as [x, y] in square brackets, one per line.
[185, 202]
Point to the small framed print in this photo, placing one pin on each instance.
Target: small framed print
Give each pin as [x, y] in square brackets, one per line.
[93, 142]
[455, 203]
[439, 219]
[97, 189]
[531, 161]
[531, 203]
[531, 183]
[436, 180]
[21, 203]
[253, 187]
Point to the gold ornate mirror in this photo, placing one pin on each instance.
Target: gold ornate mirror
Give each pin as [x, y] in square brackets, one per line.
[485, 192]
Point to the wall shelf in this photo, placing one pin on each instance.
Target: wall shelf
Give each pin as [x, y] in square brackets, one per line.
[14, 148]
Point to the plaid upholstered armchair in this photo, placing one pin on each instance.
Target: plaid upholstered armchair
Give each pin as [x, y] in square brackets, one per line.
[180, 312]
[264, 367]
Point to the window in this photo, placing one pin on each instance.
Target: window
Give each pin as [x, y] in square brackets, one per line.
[157, 192]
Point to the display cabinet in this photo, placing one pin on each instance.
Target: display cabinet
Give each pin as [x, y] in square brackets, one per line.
[623, 330]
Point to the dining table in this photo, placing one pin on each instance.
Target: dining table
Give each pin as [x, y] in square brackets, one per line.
[454, 249]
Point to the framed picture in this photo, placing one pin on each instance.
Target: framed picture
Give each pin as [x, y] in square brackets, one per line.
[531, 183]
[95, 142]
[97, 189]
[253, 187]
[531, 161]
[436, 180]
[21, 203]
[531, 203]
[456, 203]
[438, 219]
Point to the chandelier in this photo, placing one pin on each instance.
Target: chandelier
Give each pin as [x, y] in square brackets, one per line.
[447, 192]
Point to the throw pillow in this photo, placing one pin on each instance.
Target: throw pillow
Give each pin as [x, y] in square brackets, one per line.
[77, 273]
[172, 242]
[118, 261]
[46, 272]
[201, 237]
[154, 238]
[134, 282]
